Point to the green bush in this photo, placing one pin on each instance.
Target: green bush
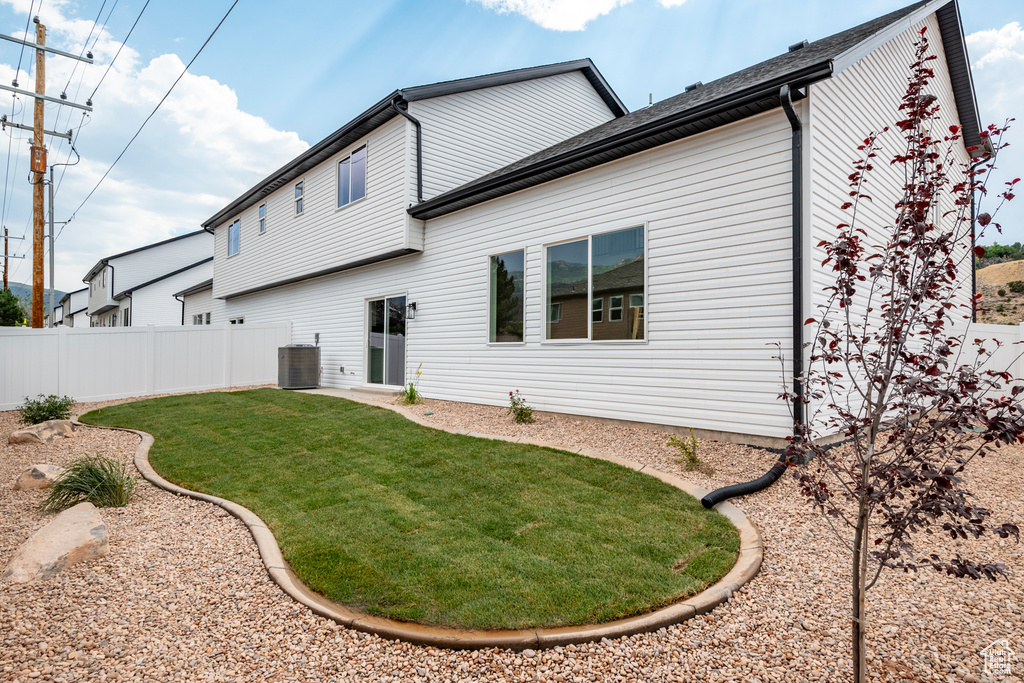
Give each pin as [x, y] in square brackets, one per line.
[1017, 286]
[52, 407]
[520, 412]
[94, 478]
[1002, 292]
[410, 393]
[1000, 308]
[688, 454]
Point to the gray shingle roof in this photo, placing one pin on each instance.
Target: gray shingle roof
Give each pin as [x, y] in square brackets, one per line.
[744, 93]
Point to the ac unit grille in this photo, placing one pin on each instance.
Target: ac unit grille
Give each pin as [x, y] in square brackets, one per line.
[298, 366]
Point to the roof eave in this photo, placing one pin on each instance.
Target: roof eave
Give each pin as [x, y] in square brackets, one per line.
[619, 146]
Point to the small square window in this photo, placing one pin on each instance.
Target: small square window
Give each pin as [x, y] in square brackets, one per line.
[555, 313]
[597, 309]
[636, 300]
[263, 218]
[298, 197]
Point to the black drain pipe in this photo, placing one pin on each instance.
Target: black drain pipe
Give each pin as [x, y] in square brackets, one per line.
[777, 470]
[419, 144]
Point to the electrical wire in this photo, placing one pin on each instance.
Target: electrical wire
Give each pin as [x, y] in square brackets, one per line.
[121, 47]
[155, 109]
[85, 45]
[22, 53]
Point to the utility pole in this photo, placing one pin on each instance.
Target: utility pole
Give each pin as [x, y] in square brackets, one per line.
[8, 256]
[38, 174]
[38, 160]
[50, 317]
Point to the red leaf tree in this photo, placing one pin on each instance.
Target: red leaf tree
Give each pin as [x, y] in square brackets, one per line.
[892, 368]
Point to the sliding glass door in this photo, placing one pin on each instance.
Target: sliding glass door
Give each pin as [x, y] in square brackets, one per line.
[386, 342]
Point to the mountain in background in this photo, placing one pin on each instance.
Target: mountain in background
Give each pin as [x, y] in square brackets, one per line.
[24, 292]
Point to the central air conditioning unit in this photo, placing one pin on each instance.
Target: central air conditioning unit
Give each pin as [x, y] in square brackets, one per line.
[298, 366]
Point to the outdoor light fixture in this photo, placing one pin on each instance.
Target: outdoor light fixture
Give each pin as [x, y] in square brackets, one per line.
[410, 311]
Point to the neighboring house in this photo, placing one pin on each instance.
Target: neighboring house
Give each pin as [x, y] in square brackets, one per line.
[465, 226]
[198, 304]
[137, 287]
[74, 308]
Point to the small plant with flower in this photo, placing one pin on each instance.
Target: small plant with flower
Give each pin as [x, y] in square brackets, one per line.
[410, 393]
[520, 412]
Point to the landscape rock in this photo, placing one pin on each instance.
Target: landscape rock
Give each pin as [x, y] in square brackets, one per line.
[44, 432]
[75, 535]
[37, 477]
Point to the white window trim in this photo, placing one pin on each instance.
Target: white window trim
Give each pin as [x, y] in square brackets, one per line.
[365, 382]
[239, 221]
[295, 200]
[620, 308]
[487, 328]
[337, 179]
[599, 311]
[589, 237]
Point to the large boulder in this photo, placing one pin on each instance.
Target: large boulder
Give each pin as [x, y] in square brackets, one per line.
[37, 477]
[44, 432]
[75, 535]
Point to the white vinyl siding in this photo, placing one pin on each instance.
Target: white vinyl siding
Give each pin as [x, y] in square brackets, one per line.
[156, 305]
[323, 236]
[840, 118]
[198, 303]
[468, 135]
[717, 207]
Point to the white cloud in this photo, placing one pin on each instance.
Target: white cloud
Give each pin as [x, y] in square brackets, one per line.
[671, 3]
[998, 71]
[198, 152]
[557, 15]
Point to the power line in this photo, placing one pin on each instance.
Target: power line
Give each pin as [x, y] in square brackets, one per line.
[121, 47]
[85, 45]
[22, 53]
[155, 109]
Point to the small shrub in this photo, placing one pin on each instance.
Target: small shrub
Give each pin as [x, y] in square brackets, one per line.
[52, 407]
[1002, 292]
[94, 478]
[410, 394]
[520, 412]
[1000, 308]
[688, 452]
[1017, 286]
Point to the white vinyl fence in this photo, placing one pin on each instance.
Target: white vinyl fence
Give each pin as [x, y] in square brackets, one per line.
[1008, 354]
[96, 364]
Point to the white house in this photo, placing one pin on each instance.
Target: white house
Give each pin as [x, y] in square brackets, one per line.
[74, 309]
[137, 287]
[522, 231]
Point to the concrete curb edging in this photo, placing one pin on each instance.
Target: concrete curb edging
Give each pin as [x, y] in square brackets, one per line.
[748, 563]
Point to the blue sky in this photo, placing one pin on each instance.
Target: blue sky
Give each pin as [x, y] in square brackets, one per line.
[277, 77]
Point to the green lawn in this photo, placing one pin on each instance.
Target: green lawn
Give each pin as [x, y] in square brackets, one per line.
[416, 524]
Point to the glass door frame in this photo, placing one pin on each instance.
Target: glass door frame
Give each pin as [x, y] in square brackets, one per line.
[367, 322]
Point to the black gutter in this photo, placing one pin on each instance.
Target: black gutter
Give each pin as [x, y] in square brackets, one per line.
[646, 136]
[419, 143]
[182, 310]
[771, 476]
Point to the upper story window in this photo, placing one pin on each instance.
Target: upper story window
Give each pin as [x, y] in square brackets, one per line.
[263, 218]
[605, 267]
[506, 298]
[298, 197]
[352, 177]
[234, 237]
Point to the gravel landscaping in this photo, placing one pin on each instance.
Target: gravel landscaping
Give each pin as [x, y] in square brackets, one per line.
[183, 594]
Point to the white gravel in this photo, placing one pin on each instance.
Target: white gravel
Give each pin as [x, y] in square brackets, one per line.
[183, 595]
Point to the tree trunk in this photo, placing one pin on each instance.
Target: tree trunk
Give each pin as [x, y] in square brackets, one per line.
[860, 567]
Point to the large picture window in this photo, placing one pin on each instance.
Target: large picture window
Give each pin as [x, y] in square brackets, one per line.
[608, 267]
[233, 237]
[352, 177]
[506, 314]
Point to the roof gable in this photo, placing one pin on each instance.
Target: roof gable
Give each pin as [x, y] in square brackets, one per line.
[107, 259]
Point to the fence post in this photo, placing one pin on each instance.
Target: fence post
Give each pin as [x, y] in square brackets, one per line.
[63, 364]
[150, 359]
[227, 354]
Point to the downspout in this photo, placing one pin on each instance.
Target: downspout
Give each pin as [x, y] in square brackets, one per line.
[764, 481]
[182, 310]
[419, 144]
